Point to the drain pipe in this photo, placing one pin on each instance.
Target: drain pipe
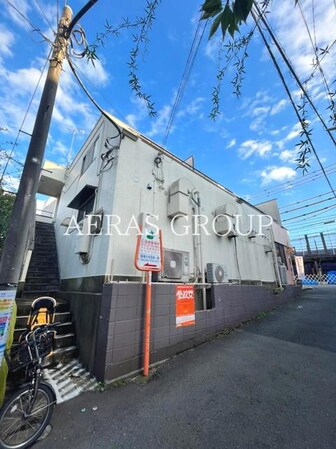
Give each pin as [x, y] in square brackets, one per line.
[276, 265]
[195, 195]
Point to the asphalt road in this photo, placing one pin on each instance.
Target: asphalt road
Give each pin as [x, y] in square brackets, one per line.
[271, 384]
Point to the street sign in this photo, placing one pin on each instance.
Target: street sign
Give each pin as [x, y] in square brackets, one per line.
[148, 254]
[185, 305]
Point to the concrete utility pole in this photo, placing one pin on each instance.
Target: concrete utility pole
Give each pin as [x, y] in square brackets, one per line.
[17, 234]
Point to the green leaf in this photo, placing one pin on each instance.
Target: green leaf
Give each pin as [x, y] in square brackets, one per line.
[226, 19]
[211, 8]
[215, 25]
[241, 9]
[233, 26]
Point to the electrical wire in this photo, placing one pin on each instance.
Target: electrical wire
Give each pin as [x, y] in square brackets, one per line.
[28, 21]
[185, 77]
[119, 130]
[313, 44]
[292, 71]
[307, 205]
[309, 222]
[304, 200]
[25, 116]
[280, 186]
[88, 82]
[45, 16]
[309, 213]
[288, 185]
[290, 95]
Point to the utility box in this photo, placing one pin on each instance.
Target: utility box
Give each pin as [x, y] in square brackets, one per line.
[178, 202]
[225, 227]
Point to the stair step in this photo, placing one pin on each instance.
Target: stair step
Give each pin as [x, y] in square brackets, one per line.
[65, 354]
[63, 341]
[51, 280]
[24, 304]
[45, 288]
[60, 317]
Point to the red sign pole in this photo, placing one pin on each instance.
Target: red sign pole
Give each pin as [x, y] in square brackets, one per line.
[149, 258]
[147, 321]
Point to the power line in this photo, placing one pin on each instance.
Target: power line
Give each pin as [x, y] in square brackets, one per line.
[313, 44]
[309, 222]
[28, 21]
[307, 179]
[45, 16]
[304, 200]
[308, 205]
[186, 73]
[292, 71]
[309, 213]
[25, 116]
[91, 98]
[307, 134]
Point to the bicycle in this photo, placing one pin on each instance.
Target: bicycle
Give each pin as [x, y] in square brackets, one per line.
[26, 414]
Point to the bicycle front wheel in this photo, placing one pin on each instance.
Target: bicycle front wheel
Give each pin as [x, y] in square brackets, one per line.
[18, 429]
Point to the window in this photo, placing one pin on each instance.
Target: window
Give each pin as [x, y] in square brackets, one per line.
[89, 156]
[84, 202]
[86, 208]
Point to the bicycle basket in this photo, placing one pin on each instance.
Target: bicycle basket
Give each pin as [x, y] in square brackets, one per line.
[18, 356]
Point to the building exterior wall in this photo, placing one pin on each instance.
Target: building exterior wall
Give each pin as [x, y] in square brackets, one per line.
[70, 264]
[135, 185]
[120, 335]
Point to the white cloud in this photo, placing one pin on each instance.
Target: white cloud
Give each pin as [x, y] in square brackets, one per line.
[192, 108]
[287, 156]
[231, 144]
[278, 107]
[96, 74]
[6, 41]
[158, 127]
[254, 147]
[277, 174]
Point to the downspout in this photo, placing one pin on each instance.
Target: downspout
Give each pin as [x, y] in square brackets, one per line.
[276, 266]
[195, 195]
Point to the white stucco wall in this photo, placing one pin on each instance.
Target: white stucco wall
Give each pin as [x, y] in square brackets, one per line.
[122, 190]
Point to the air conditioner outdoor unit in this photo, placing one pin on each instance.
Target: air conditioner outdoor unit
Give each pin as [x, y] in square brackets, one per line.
[283, 274]
[176, 266]
[216, 273]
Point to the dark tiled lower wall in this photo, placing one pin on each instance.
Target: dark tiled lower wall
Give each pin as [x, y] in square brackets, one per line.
[120, 328]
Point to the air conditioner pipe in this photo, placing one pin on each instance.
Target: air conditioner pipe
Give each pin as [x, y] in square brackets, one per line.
[195, 196]
[276, 266]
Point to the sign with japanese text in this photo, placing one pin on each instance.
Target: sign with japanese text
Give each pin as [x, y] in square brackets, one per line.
[148, 255]
[7, 298]
[185, 305]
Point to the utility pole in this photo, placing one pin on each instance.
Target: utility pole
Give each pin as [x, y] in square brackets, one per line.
[17, 234]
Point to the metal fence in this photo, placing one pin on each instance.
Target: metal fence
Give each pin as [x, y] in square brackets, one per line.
[317, 279]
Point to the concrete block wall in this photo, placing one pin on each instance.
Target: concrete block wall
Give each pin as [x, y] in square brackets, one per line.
[120, 332]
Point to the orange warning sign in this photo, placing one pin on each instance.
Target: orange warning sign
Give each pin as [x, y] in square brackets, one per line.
[185, 305]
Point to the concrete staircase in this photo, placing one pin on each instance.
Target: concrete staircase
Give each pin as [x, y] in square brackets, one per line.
[43, 276]
[43, 280]
[65, 339]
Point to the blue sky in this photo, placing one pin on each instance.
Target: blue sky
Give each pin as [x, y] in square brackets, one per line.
[250, 148]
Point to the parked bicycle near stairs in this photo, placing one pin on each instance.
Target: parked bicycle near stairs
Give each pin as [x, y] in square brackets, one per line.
[26, 414]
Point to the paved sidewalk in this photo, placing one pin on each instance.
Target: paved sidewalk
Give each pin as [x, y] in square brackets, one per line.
[270, 385]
